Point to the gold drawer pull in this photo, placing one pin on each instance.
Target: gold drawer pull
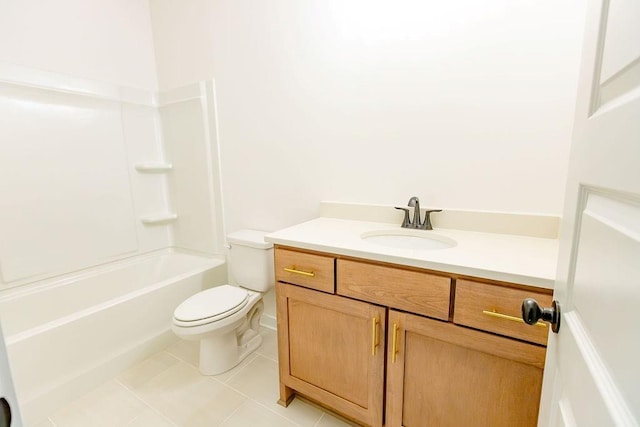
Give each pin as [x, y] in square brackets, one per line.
[394, 345]
[494, 313]
[374, 335]
[302, 273]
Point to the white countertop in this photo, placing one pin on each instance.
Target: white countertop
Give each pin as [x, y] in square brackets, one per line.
[505, 257]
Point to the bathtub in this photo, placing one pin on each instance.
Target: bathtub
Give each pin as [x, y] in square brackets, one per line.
[69, 334]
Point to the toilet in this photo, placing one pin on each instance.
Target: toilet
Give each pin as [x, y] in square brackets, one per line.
[226, 319]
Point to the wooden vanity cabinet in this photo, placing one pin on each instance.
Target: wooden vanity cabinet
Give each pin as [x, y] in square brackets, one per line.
[428, 344]
[440, 374]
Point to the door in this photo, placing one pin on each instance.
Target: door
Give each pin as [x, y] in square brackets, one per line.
[592, 376]
[445, 375]
[9, 413]
[335, 351]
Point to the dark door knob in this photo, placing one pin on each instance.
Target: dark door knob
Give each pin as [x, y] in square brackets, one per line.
[531, 313]
[5, 413]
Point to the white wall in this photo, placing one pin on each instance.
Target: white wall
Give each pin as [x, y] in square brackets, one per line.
[182, 36]
[109, 41]
[466, 104]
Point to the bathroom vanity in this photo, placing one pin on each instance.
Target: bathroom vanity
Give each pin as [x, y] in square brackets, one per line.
[403, 337]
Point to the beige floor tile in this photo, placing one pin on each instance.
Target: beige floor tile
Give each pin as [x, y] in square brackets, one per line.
[166, 390]
[187, 351]
[150, 418]
[147, 369]
[259, 381]
[109, 405]
[269, 347]
[330, 420]
[45, 423]
[254, 414]
[226, 376]
[187, 398]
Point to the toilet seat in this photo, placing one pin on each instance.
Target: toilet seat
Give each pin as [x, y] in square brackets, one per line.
[210, 306]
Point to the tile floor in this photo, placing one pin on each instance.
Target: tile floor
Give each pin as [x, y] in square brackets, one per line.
[167, 390]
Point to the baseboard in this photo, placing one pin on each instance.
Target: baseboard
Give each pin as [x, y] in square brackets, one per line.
[38, 408]
[268, 321]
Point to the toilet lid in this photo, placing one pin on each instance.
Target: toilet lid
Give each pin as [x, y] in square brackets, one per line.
[212, 304]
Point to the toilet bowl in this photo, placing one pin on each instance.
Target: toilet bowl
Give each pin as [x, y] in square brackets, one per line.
[226, 319]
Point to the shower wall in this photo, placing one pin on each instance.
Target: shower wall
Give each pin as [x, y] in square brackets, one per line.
[84, 177]
[190, 139]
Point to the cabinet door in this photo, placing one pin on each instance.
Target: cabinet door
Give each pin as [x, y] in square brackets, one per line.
[331, 349]
[440, 374]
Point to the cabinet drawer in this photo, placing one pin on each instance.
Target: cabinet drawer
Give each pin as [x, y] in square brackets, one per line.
[308, 270]
[414, 291]
[476, 302]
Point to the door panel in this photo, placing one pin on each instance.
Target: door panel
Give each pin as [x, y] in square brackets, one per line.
[622, 24]
[609, 260]
[335, 351]
[448, 375]
[600, 373]
[583, 400]
[479, 389]
[337, 342]
[591, 375]
[620, 67]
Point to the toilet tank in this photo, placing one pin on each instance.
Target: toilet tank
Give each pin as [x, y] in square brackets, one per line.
[251, 260]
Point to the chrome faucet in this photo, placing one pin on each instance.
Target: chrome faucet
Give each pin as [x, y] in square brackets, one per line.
[414, 203]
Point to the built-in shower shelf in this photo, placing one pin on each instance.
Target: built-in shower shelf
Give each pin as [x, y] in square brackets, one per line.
[154, 167]
[159, 219]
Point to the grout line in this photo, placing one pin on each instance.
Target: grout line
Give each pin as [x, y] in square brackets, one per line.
[224, 382]
[144, 402]
[175, 356]
[268, 408]
[240, 369]
[268, 357]
[233, 413]
[252, 359]
[327, 412]
[319, 419]
[168, 353]
[274, 412]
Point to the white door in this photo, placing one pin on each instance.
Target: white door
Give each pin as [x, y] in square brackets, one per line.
[9, 414]
[592, 376]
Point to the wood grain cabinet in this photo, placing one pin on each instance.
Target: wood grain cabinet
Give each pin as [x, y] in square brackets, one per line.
[396, 346]
[496, 309]
[312, 271]
[331, 349]
[440, 374]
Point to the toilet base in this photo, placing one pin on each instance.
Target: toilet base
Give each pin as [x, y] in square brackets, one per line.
[219, 354]
[227, 347]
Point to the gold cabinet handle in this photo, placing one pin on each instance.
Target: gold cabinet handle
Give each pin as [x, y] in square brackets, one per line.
[302, 273]
[494, 313]
[374, 335]
[394, 343]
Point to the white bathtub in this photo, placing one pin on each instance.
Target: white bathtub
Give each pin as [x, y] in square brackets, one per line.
[67, 335]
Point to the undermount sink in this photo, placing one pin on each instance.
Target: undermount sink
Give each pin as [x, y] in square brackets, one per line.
[409, 239]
